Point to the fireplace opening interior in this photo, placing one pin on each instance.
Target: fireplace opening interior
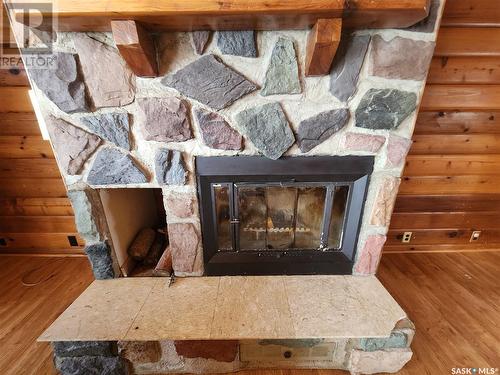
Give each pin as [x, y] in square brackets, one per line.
[136, 221]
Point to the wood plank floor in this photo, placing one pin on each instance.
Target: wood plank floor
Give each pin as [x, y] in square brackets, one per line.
[453, 298]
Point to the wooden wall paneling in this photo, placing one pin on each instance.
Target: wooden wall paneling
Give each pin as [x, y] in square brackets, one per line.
[35, 168]
[443, 220]
[39, 240]
[461, 97]
[452, 165]
[471, 13]
[464, 70]
[36, 206]
[447, 203]
[442, 248]
[444, 185]
[15, 99]
[468, 41]
[458, 122]
[441, 236]
[32, 187]
[23, 147]
[456, 144]
[37, 224]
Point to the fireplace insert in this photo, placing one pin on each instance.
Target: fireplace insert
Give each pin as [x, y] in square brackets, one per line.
[292, 216]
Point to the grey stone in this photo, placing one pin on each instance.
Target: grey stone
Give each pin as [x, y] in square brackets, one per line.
[84, 218]
[112, 167]
[113, 127]
[282, 75]
[165, 119]
[347, 65]
[200, 40]
[317, 129]
[85, 348]
[72, 145]
[99, 255]
[385, 108]
[62, 84]
[216, 132]
[91, 365]
[395, 340]
[428, 24]
[170, 169]
[210, 82]
[267, 128]
[238, 43]
[109, 80]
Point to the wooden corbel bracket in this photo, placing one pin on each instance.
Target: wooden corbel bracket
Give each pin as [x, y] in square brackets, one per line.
[131, 21]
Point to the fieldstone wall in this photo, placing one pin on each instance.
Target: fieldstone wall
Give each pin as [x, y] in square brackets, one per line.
[230, 93]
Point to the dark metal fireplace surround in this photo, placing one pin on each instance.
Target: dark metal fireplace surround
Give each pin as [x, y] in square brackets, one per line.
[292, 216]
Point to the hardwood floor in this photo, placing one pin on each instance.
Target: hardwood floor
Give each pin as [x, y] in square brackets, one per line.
[453, 298]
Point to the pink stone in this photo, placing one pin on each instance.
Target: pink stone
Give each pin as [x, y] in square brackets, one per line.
[384, 203]
[369, 257]
[73, 145]
[109, 80]
[400, 58]
[180, 205]
[140, 351]
[184, 243]
[397, 149]
[364, 142]
[220, 350]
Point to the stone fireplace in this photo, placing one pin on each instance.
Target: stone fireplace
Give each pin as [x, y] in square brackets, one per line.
[238, 165]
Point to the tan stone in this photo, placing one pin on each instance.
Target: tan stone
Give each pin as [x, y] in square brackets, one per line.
[364, 142]
[220, 350]
[164, 266]
[378, 361]
[140, 351]
[400, 58]
[180, 205]
[384, 203]
[397, 149]
[369, 257]
[184, 244]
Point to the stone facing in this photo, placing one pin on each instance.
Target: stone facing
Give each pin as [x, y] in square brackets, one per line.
[267, 128]
[385, 109]
[220, 350]
[315, 130]
[109, 80]
[282, 75]
[170, 169]
[384, 203]
[200, 40]
[99, 255]
[400, 58]
[397, 149]
[90, 365]
[210, 82]
[113, 127]
[237, 43]
[165, 119]
[84, 216]
[184, 244]
[363, 142]
[369, 256]
[347, 65]
[63, 85]
[112, 167]
[73, 145]
[216, 132]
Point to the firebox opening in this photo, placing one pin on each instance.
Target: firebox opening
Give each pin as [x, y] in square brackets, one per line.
[128, 211]
[296, 215]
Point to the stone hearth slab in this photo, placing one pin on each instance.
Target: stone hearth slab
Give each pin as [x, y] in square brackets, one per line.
[223, 308]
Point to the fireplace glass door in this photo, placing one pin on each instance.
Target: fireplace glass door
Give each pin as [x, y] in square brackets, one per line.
[269, 217]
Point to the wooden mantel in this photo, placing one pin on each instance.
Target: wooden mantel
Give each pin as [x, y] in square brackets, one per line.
[188, 15]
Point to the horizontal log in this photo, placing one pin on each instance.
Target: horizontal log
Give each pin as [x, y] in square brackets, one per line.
[37, 224]
[180, 15]
[445, 220]
[454, 122]
[471, 13]
[456, 144]
[464, 70]
[468, 41]
[452, 165]
[441, 248]
[15, 99]
[32, 187]
[40, 240]
[447, 203]
[22, 147]
[19, 123]
[15, 76]
[468, 184]
[35, 207]
[440, 236]
[461, 98]
[65, 252]
[33, 168]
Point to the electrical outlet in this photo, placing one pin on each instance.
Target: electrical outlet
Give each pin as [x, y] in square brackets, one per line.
[406, 237]
[475, 235]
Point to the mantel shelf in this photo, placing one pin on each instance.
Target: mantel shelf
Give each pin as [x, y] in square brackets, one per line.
[185, 15]
[229, 308]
